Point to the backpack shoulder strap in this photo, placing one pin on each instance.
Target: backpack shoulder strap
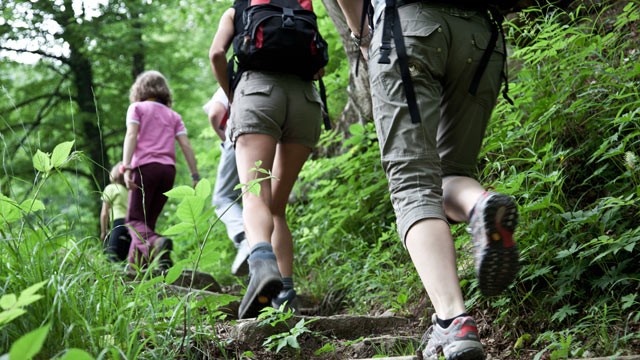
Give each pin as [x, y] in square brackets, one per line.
[391, 28]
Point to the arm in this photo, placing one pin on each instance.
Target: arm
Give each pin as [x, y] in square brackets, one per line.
[352, 10]
[130, 142]
[218, 51]
[187, 150]
[104, 219]
[217, 111]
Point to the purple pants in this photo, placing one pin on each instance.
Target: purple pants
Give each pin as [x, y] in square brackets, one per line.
[145, 205]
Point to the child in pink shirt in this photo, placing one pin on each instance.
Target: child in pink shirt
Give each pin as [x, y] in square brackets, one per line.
[148, 160]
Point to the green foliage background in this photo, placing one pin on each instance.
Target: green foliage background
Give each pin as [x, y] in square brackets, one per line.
[568, 152]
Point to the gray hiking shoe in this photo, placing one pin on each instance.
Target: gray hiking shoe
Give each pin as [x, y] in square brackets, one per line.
[288, 296]
[240, 266]
[460, 341]
[265, 283]
[492, 224]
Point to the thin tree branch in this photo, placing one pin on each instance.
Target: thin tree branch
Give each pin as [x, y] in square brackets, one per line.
[37, 52]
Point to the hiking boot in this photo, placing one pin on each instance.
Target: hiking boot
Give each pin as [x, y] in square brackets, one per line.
[265, 283]
[460, 341]
[240, 266]
[162, 249]
[288, 296]
[492, 223]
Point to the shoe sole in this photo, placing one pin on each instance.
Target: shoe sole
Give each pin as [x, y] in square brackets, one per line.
[262, 297]
[499, 263]
[468, 354]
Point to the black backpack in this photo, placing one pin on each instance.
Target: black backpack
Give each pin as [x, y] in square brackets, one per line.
[281, 36]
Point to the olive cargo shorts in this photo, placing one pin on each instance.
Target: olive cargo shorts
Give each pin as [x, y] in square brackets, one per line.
[281, 105]
[444, 46]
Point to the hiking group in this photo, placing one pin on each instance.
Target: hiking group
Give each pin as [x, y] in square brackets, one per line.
[435, 72]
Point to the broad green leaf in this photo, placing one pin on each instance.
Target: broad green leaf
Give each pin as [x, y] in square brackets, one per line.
[173, 274]
[190, 208]
[203, 188]
[255, 188]
[26, 299]
[9, 210]
[33, 288]
[293, 341]
[149, 283]
[29, 345]
[8, 301]
[32, 205]
[180, 228]
[8, 315]
[41, 162]
[61, 153]
[76, 354]
[180, 192]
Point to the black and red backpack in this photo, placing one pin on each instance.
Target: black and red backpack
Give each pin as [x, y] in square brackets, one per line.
[281, 36]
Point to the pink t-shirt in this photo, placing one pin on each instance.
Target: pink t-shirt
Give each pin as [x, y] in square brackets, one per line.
[159, 127]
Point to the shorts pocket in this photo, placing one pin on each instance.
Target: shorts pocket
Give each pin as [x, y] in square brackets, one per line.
[481, 42]
[257, 89]
[312, 96]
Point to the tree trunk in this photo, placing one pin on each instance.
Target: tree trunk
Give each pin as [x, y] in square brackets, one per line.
[358, 108]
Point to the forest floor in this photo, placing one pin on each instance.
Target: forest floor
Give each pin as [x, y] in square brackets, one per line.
[330, 333]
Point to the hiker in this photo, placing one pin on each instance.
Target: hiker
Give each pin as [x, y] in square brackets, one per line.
[114, 207]
[148, 164]
[431, 163]
[225, 197]
[274, 124]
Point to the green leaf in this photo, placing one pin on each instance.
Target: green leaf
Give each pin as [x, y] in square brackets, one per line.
[32, 205]
[8, 315]
[42, 162]
[61, 153]
[180, 192]
[173, 274]
[254, 188]
[76, 354]
[8, 301]
[149, 283]
[203, 188]
[29, 345]
[180, 228]
[33, 289]
[189, 209]
[9, 209]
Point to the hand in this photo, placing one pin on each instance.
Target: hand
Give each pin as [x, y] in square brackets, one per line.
[128, 180]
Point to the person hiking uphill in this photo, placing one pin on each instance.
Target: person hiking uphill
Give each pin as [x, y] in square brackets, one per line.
[148, 159]
[275, 123]
[225, 195]
[430, 155]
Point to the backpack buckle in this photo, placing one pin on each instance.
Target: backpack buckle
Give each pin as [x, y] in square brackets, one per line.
[385, 51]
[288, 18]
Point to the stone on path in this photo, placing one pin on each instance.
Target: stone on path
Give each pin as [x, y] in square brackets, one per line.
[250, 331]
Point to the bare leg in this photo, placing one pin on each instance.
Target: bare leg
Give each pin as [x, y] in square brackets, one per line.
[288, 162]
[258, 221]
[460, 196]
[431, 248]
